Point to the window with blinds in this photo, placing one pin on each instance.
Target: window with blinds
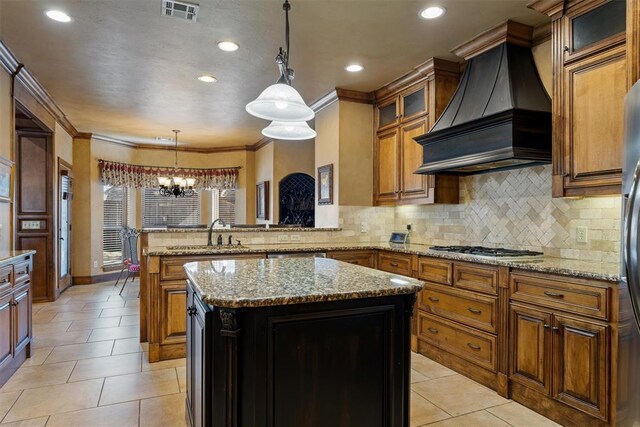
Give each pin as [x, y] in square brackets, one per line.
[115, 217]
[224, 205]
[160, 211]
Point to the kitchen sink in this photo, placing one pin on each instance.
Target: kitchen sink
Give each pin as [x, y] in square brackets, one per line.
[203, 247]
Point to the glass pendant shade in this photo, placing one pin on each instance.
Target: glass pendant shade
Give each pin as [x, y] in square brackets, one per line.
[280, 102]
[164, 181]
[293, 131]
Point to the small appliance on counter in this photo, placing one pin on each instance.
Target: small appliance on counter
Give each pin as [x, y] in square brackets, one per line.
[398, 238]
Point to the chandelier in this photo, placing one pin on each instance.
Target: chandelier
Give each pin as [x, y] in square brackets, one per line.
[281, 103]
[176, 186]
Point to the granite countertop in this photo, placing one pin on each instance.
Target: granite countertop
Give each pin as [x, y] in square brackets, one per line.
[9, 255]
[273, 282]
[239, 230]
[565, 267]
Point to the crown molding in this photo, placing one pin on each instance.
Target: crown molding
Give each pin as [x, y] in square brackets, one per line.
[541, 34]
[507, 32]
[419, 73]
[340, 94]
[11, 64]
[552, 8]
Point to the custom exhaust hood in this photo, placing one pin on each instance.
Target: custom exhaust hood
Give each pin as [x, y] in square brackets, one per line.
[500, 116]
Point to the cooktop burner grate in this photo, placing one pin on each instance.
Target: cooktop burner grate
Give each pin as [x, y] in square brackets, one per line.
[482, 251]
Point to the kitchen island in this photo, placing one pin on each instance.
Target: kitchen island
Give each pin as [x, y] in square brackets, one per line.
[297, 341]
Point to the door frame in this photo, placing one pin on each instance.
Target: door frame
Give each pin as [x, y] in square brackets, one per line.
[62, 283]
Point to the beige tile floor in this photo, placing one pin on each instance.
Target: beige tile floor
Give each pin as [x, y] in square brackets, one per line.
[89, 369]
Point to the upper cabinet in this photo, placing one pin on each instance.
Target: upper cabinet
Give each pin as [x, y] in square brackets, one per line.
[590, 79]
[406, 109]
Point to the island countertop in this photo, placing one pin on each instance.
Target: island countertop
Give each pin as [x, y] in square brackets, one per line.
[272, 282]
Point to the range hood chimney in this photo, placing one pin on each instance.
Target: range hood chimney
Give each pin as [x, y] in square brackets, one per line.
[500, 116]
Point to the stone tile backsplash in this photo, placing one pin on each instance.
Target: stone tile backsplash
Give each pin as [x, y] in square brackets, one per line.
[513, 209]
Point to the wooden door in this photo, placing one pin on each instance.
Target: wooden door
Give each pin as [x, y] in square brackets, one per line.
[594, 89]
[195, 360]
[581, 364]
[412, 185]
[531, 348]
[6, 327]
[189, 354]
[22, 317]
[172, 311]
[413, 102]
[388, 114]
[387, 160]
[34, 208]
[65, 196]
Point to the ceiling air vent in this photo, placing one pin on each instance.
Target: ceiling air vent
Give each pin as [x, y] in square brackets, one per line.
[178, 9]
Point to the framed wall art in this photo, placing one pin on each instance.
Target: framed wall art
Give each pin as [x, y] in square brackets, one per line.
[325, 185]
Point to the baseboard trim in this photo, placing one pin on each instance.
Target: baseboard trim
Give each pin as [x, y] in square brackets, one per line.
[90, 280]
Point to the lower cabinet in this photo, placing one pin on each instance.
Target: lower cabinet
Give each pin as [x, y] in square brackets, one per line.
[6, 341]
[563, 357]
[198, 347]
[363, 258]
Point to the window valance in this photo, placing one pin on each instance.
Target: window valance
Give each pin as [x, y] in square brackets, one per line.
[138, 176]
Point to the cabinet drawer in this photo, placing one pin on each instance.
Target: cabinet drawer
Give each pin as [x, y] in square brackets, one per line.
[5, 276]
[395, 263]
[589, 300]
[363, 258]
[476, 278]
[173, 268]
[22, 271]
[435, 270]
[476, 347]
[465, 307]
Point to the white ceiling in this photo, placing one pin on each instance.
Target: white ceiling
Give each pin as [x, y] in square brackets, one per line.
[121, 69]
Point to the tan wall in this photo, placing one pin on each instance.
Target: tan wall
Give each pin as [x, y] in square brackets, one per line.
[264, 172]
[62, 149]
[290, 157]
[6, 137]
[327, 152]
[356, 154]
[542, 58]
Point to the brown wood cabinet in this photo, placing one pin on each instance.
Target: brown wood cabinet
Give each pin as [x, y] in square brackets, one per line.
[406, 109]
[15, 315]
[590, 79]
[557, 352]
[166, 304]
[363, 258]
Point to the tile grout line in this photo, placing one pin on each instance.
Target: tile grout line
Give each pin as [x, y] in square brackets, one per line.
[12, 405]
[104, 381]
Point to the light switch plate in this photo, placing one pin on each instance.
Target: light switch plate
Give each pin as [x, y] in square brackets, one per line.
[283, 238]
[364, 227]
[31, 225]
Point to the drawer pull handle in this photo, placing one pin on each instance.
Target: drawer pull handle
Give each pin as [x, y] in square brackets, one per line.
[553, 294]
[433, 330]
[434, 299]
[546, 326]
[555, 328]
[393, 264]
[473, 346]
[474, 310]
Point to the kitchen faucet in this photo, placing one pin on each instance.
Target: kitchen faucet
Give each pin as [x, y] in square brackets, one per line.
[209, 241]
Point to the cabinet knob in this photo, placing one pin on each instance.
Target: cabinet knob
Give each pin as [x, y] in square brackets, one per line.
[566, 49]
[192, 310]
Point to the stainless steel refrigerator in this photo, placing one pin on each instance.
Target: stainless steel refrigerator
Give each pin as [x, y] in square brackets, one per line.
[628, 390]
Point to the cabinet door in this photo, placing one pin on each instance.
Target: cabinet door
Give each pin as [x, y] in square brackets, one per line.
[594, 90]
[386, 164]
[22, 317]
[172, 312]
[531, 348]
[195, 360]
[189, 352]
[388, 114]
[412, 185]
[413, 103]
[581, 364]
[6, 327]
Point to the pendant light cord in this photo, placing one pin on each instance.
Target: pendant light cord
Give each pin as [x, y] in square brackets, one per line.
[175, 131]
[287, 7]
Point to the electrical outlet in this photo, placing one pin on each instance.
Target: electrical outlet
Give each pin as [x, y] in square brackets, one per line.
[295, 237]
[582, 234]
[364, 227]
[408, 227]
[283, 238]
[95, 264]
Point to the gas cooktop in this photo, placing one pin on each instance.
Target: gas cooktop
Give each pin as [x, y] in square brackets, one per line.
[481, 251]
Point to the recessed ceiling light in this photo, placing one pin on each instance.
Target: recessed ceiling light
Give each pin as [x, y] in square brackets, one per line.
[354, 68]
[228, 46]
[58, 15]
[432, 12]
[207, 79]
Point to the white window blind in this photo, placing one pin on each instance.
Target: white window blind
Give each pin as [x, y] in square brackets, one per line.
[159, 210]
[224, 205]
[115, 217]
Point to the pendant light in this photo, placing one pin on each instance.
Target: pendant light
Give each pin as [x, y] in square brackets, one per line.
[280, 102]
[294, 131]
[176, 186]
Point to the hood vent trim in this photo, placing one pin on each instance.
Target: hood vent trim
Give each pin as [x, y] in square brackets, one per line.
[500, 116]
